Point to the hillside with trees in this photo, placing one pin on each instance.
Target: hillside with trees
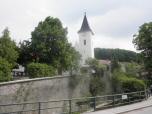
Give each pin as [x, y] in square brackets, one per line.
[120, 54]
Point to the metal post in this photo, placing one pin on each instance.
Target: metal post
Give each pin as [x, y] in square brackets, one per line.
[145, 94]
[148, 90]
[39, 107]
[128, 99]
[94, 103]
[140, 94]
[70, 107]
[113, 100]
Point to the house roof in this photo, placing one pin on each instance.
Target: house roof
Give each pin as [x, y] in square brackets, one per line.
[105, 62]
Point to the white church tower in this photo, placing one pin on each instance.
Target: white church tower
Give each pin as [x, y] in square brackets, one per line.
[85, 41]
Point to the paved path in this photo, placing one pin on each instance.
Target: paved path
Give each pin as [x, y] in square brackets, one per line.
[144, 107]
[147, 110]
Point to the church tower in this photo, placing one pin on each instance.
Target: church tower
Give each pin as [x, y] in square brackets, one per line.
[85, 41]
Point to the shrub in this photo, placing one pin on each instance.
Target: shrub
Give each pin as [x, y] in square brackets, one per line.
[97, 69]
[125, 83]
[96, 86]
[114, 64]
[132, 69]
[84, 70]
[5, 70]
[40, 70]
[133, 84]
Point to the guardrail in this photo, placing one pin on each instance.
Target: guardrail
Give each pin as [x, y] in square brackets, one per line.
[74, 105]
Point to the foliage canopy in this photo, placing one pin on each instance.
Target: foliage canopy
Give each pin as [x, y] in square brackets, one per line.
[5, 70]
[120, 54]
[143, 42]
[36, 70]
[8, 48]
[124, 83]
[49, 45]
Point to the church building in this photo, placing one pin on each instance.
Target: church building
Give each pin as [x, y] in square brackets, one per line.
[85, 44]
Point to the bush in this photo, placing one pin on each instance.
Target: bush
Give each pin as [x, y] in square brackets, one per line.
[132, 84]
[127, 84]
[132, 69]
[96, 86]
[40, 70]
[5, 70]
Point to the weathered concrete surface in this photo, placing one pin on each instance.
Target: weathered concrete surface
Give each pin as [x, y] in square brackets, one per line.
[44, 89]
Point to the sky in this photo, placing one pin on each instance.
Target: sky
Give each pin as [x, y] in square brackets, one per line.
[114, 22]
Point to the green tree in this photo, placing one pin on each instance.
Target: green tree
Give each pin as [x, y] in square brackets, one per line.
[143, 42]
[96, 67]
[25, 53]
[49, 45]
[97, 85]
[8, 48]
[114, 64]
[121, 54]
[5, 70]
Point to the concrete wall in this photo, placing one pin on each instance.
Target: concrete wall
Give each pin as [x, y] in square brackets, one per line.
[42, 89]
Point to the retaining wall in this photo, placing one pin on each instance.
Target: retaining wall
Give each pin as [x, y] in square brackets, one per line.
[42, 89]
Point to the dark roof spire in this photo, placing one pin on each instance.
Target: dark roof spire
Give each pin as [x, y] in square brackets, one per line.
[85, 25]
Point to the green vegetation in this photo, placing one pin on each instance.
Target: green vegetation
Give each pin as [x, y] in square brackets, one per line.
[46, 53]
[8, 56]
[126, 76]
[49, 45]
[121, 54]
[8, 48]
[96, 67]
[96, 86]
[5, 70]
[114, 64]
[96, 82]
[132, 69]
[75, 112]
[36, 70]
[124, 83]
[143, 42]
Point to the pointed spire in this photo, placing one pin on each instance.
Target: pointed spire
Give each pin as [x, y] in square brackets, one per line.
[85, 25]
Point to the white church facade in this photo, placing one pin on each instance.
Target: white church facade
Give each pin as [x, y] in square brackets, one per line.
[85, 43]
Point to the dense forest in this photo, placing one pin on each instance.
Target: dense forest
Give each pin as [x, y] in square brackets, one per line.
[120, 54]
